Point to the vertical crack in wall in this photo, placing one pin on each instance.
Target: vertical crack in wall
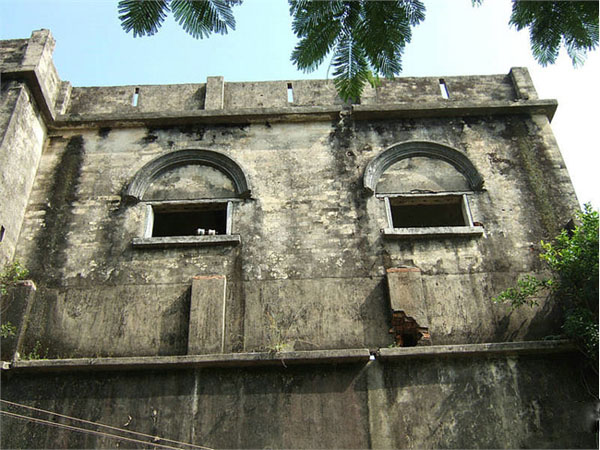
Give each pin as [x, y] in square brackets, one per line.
[51, 242]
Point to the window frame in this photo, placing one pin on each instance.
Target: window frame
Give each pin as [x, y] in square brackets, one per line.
[392, 232]
[188, 241]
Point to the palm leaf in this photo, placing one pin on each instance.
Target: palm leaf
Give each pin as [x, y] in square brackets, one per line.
[383, 34]
[365, 35]
[415, 11]
[310, 52]
[351, 69]
[200, 18]
[143, 17]
[309, 16]
[551, 23]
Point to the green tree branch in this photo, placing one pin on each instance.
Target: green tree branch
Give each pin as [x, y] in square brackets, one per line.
[366, 39]
[573, 260]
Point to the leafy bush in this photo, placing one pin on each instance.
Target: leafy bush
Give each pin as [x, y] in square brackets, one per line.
[10, 275]
[36, 353]
[573, 259]
[526, 292]
[7, 330]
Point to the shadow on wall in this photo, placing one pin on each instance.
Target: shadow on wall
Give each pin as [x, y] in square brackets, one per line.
[174, 326]
[546, 322]
[375, 306]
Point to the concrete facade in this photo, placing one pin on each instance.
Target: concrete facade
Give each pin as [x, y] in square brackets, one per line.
[307, 259]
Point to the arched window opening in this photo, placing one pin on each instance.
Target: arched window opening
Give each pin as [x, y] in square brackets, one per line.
[424, 188]
[189, 197]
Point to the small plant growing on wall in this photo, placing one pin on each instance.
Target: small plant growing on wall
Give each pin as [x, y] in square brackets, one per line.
[37, 352]
[7, 330]
[283, 331]
[572, 258]
[10, 275]
[278, 339]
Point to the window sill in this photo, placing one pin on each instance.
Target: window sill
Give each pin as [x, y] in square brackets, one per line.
[424, 232]
[187, 241]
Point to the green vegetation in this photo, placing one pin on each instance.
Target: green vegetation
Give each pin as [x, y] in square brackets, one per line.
[10, 275]
[573, 259]
[198, 18]
[367, 38]
[35, 353]
[553, 24]
[7, 330]
[278, 338]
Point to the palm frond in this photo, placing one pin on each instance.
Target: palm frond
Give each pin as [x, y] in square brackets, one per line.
[365, 36]
[309, 16]
[143, 17]
[318, 26]
[351, 69]
[577, 56]
[383, 33]
[351, 15]
[545, 48]
[415, 11]
[200, 18]
[573, 23]
[310, 52]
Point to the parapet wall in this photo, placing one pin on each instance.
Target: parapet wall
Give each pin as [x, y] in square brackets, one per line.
[12, 53]
[277, 94]
[32, 59]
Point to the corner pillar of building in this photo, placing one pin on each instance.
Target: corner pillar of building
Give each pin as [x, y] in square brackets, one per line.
[523, 84]
[39, 47]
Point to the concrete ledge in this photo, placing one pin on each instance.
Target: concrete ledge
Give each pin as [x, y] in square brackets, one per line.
[186, 241]
[282, 359]
[305, 113]
[451, 108]
[282, 114]
[229, 116]
[32, 78]
[417, 232]
[491, 349]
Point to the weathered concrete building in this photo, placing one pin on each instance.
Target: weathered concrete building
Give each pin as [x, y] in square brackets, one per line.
[260, 265]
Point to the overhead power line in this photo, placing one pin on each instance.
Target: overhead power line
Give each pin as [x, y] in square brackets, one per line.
[101, 433]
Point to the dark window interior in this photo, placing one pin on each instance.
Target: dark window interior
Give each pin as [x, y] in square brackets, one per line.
[443, 212]
[188, 222]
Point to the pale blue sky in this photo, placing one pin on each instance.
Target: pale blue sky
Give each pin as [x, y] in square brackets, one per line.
[454, 39]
